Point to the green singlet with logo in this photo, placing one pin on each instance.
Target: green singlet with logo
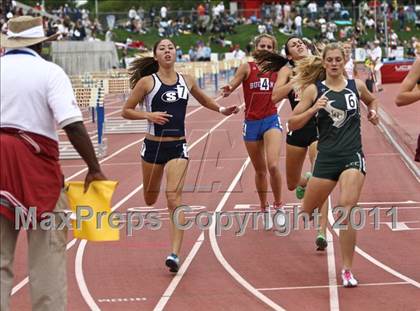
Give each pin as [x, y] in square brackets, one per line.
[339, 122]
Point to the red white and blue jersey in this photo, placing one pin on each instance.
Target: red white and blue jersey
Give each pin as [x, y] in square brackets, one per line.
[257, 92]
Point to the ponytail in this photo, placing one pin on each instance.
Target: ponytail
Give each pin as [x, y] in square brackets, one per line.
[307, 71]
[140, 68]
[269, 61]
[310, 69]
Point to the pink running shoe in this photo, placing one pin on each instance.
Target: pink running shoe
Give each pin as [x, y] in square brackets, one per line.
[348, 279]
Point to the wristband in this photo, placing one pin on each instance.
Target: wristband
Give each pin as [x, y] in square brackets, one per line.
[222, 109]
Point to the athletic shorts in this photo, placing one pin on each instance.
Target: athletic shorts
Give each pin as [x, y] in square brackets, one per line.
[254, 130]
[331, 166]
[303, 137]
[162, 152]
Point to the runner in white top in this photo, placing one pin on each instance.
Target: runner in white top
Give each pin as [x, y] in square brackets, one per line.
[349, 68]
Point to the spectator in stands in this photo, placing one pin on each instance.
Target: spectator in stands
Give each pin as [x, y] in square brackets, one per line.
[262, 29]
[329, 9]
[178, 54]
[375, 56]
[313, 10]
[30, 170]
[337, 9]
[349, 68]
[287, 8]
[152, 15]
[163, 12]
[298, 25]
[238, 53]
[401, 17]
[192, 53]
[109, 36]
[132, 13]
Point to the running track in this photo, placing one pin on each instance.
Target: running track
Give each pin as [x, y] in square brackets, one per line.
[259, 270]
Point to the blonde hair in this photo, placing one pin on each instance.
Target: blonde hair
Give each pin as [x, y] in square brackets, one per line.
[310, 69]
[264, 35]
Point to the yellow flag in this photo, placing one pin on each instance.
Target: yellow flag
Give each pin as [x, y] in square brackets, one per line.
[92, 210]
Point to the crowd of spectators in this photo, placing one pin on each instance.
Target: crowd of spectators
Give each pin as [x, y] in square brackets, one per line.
[330, 18]
[72, 23]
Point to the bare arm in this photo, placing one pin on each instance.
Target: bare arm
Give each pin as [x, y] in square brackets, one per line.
[79, 138]
[240, 75]
[408, 92]
[370, 101]
[207, 101]
[304, 111]
[143, 86]
[283, 85]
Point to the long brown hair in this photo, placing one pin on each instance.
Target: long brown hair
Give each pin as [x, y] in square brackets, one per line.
[144, 66]
[310, 69]
[269, 61]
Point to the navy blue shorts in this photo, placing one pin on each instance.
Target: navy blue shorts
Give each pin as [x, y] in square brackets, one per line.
[254, 130]
[162, 152]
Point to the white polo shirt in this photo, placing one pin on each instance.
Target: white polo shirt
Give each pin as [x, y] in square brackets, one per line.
[35, 94]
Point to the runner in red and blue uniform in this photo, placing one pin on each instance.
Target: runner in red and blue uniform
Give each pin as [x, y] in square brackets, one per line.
[262, 129]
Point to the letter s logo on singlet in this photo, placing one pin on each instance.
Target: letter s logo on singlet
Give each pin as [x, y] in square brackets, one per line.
[170, 96]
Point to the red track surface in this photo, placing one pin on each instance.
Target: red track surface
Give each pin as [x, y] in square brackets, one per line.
[286, 272]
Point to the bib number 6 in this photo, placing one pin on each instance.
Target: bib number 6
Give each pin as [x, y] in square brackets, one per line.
[351, 101]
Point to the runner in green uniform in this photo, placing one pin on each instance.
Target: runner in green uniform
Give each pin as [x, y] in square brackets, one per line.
[334, 101]
[302, 141]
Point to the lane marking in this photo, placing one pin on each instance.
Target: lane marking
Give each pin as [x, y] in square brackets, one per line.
[80, 279]
[375, 261]
[70, 244]
[177, 278]
[218, 253]
[332, 272]
[80, 251]
[122, 299]
[329, 286]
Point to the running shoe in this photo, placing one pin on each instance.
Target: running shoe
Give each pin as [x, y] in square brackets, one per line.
[321, 242]
[348, 279]
[267, 218]
[300, 190]
[172, 262]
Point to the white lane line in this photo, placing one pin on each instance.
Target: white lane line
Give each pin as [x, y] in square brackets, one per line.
[80, 251]
[390, 203]
[177, 278]
[218, 253]
[329, 286]
[332, 273]
[72, 242]
[375, 261]
[22, 283]
[78, 271]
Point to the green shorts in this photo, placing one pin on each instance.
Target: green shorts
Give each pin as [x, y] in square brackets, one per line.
[331, 166]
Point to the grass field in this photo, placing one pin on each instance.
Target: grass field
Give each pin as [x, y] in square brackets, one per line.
[244, 33]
